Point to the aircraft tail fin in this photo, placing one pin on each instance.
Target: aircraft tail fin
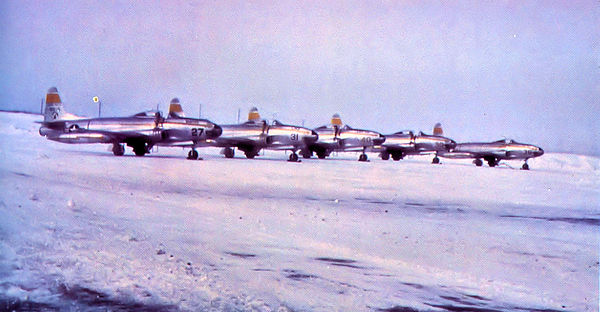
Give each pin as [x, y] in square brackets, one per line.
[437, 129]
[54, 108]
[175, 109]
[336, 120]
[253, 114]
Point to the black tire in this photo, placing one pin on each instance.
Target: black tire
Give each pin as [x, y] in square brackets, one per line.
[478, 162]
[321, 155]
[139, 150]
[118, 150]
[385, 155]
[193, 155]
[492, 163]
[250, 155]
[306, 154]
[525, 167]
[362, 157]
[229, 152]
[396, 156]
[436, 160]
[293, 157]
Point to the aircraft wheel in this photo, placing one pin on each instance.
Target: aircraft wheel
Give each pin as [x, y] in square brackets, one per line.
[397, 156]
[525, 166]
[139, 150]
[435, 160]
[250, 155]
[385, 155]
[306, 154]
[362, 157]
[293, 157]
[321, 155]
[492, 163]
[229, 152]
[193, 155]
[478, 162]
[118, 149]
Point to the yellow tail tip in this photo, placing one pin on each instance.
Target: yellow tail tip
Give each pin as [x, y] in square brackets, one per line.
[253, 115]
[175, 108]
[52, 96]
[437, 129]
[336, 120]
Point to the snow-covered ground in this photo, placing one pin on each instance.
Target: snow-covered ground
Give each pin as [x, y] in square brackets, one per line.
[81, 229]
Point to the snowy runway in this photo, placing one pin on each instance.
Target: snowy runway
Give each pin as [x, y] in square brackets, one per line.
[83, 229]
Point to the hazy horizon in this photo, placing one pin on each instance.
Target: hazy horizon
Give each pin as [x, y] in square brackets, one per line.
[522, 70]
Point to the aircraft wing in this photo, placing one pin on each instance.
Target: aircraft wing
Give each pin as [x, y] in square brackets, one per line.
[123, 135]
[326, 146]
[230, 142]
[462, 155]
[55, 125]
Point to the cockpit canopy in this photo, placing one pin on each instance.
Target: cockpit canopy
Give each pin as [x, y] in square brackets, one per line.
[344, 127]
[277, 123]
[405, 132]
[149, 113]
[506, 141]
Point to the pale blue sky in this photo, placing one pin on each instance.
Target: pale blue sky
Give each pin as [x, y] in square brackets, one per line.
[527, 70]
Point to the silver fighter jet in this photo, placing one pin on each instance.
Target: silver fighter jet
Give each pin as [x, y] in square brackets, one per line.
[141, 131]
[342, 138]
[182, 131]
[405, 143]
[256, 134]
[493, 152]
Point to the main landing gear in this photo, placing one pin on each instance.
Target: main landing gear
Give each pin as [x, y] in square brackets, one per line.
[118, 149]
[140, 150]
[525, 166]
[306, 153]
[436, 160]
[193, 155]
[250, 154]
[492, 162]
[229, 152]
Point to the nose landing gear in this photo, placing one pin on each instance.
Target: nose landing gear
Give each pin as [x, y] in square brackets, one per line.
[293, 157]
[193, 155]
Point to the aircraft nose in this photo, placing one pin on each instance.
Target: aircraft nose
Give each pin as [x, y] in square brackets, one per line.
[539, 152]
[215, 132]
[450, 144]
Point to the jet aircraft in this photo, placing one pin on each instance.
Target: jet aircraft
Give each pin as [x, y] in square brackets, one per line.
[256, 134]
[493, 152]
[405, 143]
[343, 138]
[187, 132]
[141, 131]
